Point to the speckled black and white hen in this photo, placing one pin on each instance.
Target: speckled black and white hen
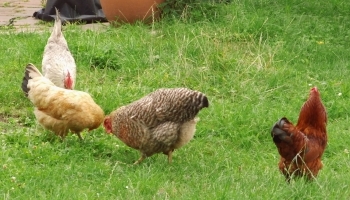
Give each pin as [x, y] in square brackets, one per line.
[160, 122]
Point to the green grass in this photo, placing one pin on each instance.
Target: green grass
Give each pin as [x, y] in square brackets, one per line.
[255, 60]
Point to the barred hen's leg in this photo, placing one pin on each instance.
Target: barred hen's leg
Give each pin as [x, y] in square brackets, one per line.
[170, 156]
[143, 156]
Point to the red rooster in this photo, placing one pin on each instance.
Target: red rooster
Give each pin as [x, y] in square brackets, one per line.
[301, 146]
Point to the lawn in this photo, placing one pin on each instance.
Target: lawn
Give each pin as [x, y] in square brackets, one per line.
[256, 62]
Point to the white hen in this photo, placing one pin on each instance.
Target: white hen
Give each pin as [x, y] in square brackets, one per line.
[58, 64]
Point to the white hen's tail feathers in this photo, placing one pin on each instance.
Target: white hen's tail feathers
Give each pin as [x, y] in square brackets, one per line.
[57, 28]
[30, 73]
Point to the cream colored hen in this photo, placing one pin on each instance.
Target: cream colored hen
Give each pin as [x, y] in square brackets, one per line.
[58, 64]
[160, 122]
[58, 109]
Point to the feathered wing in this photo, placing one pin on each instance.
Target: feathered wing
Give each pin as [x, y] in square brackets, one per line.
[301, 147]
[58, 109]
[58, 64]
[183, 103]
[177, 117]
[175, 104]
[59, 126]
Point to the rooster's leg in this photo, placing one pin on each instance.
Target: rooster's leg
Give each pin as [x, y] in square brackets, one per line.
[143, 156]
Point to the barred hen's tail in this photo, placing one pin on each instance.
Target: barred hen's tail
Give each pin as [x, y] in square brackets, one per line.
[30, 73]
[204, 101]
[175, 104]
[196, 101]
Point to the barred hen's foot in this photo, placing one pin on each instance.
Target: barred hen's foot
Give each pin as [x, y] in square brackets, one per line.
[140, 160]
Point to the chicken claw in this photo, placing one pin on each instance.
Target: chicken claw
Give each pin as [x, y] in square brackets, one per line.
[140, 159]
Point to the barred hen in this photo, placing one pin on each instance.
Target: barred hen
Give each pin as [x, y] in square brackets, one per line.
[60, 110]
[301, 146]
[58, 64]
[160, 122]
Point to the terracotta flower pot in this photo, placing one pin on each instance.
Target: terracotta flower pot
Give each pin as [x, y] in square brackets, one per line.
[129, 11]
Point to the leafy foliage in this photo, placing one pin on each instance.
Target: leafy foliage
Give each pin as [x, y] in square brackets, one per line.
[107, 58]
